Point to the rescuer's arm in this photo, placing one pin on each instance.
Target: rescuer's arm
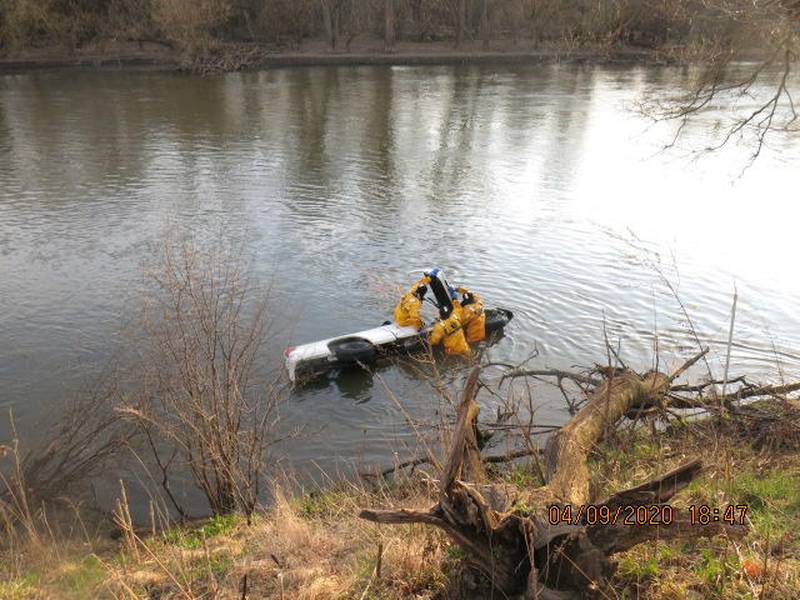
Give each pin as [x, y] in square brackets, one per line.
[437, 333]
[425, 280]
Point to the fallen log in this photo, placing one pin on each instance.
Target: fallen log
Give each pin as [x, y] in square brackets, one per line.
[504, 533]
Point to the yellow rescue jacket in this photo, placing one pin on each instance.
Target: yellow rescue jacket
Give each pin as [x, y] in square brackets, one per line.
[407, 311]
[451, 332]
[474, 319]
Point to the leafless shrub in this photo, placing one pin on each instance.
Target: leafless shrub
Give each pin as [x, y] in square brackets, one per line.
[32, 23]
[53, 476]
[344, 20]
[67, 23]
[129, 20]
[203, 403]
[289, 21]
[193, 24]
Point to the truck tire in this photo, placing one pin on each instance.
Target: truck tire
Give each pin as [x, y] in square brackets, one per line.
[353, 350]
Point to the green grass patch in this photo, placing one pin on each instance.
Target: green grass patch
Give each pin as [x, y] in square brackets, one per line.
[192, 538]
[20, 588]
[640, 448]
[217, 566]
[638, 567]
[221, 564]
[317, 505]
[773, 499]
[716, 570]
[82, 579]
[523, 475]
[455, 553]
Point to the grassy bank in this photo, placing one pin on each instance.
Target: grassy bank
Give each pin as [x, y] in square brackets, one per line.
[314, 546]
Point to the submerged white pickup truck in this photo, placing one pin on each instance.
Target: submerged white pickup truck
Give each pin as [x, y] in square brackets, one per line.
[365, 347]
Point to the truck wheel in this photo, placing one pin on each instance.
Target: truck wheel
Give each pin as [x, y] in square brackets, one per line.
[352, 350]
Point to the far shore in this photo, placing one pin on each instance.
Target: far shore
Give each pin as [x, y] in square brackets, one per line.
[159, 57]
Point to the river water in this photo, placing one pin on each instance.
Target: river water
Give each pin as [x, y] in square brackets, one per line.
[540, 187]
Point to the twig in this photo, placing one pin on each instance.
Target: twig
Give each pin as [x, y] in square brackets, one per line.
[699, 387]
[762, 390]
[730, 341]
[577, 377]
[244, 587]
[685, 366]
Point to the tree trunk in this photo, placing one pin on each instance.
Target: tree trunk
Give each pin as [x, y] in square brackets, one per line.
[516, 20]
[566, 466]
[336, 15]
[485, 23]
[389, 31]
[461, 17]
[329, 22]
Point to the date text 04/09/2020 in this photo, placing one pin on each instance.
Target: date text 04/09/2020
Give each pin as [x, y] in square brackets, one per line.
[643, 515]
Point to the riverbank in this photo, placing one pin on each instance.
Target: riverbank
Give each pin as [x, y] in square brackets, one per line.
[160, 57]
[315, 546]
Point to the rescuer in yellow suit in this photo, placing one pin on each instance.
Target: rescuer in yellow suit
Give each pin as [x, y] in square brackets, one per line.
[473, 319]
[450, 332]
[407, 311]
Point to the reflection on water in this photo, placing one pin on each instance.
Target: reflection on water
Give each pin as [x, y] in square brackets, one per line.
[534, 185]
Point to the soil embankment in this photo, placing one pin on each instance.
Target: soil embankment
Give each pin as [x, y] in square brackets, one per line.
[156, 56]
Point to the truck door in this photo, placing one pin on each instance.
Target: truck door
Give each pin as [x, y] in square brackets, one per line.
[440, 289]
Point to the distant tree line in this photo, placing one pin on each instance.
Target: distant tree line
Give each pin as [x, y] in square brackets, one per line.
[199, 25]
[715, 34]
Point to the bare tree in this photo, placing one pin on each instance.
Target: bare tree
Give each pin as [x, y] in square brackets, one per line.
[484, 26]
[201, 402]
[460, 21]
[330, 19]
[55, 474]
[192, 24]
[768, 31]
[389, 26]
[291, 20]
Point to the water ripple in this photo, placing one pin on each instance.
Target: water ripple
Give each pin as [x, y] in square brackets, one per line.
[526, 183]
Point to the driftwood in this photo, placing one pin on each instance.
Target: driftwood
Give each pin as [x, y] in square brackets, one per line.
[505, 533]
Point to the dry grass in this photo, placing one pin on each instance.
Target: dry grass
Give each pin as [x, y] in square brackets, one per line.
[313, 546]
[305, 547]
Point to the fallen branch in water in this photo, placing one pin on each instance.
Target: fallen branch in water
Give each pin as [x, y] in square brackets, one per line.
[424, 460]
[576, 377]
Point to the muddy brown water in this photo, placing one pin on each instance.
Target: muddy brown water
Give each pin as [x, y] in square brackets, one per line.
[539, 187]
